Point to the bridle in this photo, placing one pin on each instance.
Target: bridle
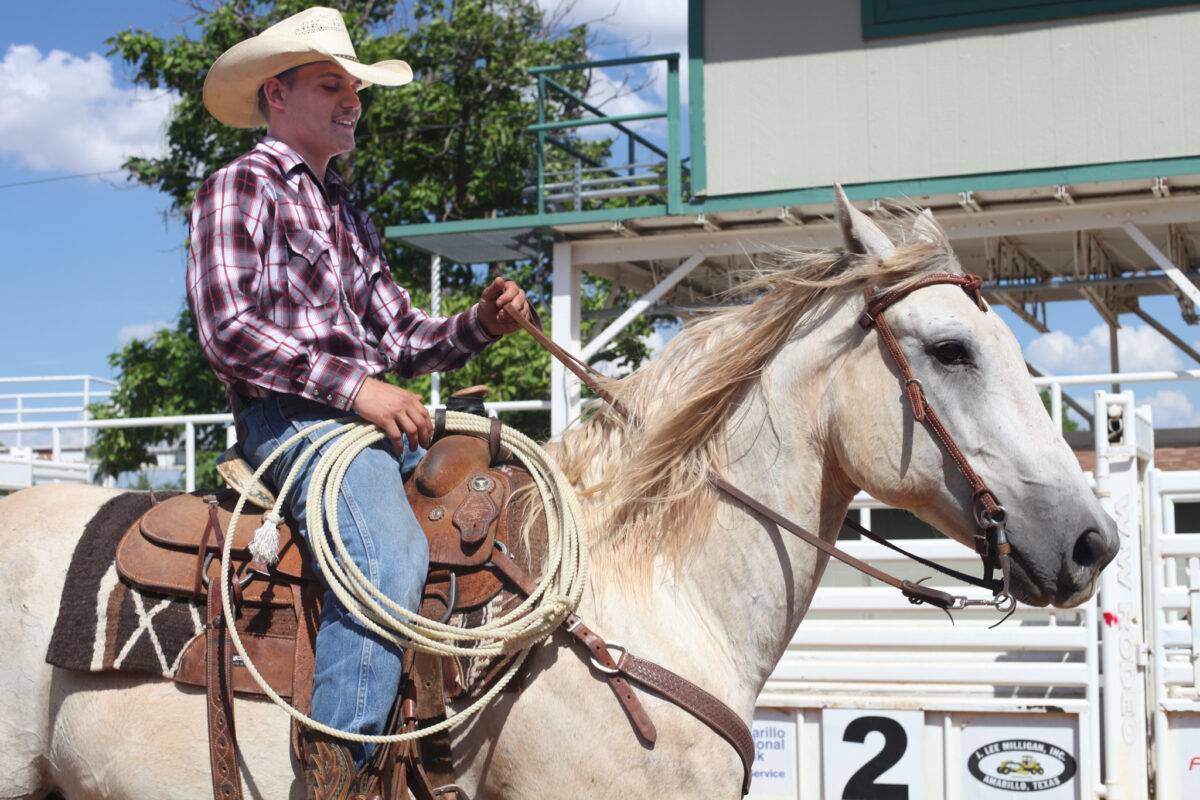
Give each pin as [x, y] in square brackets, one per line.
[991, 538]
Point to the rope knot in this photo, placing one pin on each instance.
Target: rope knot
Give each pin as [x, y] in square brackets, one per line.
[264, 546]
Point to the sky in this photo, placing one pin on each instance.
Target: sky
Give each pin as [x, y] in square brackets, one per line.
[89, 263]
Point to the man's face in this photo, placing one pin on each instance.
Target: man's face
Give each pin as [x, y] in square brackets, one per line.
[320, 109]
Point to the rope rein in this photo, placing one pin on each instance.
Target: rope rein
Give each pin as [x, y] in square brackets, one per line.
[556, 595]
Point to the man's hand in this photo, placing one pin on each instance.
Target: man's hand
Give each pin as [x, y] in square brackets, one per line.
[500, 298]
[396, 412]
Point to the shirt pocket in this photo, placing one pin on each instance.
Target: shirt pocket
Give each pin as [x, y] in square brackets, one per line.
[311, 275]
[370, 262]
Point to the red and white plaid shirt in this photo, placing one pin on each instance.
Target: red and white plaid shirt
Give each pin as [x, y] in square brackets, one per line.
[290, 291]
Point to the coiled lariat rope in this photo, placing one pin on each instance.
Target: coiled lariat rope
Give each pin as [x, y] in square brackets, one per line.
[557, 593]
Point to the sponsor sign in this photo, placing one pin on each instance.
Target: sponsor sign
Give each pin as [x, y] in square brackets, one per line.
[871, 755]
[775, 774]
[1005, 757]
[1185, 731]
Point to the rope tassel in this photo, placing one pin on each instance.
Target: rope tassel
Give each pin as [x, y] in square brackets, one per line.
[264, 546]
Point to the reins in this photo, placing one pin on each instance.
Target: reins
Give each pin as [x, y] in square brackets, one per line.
[991, 541]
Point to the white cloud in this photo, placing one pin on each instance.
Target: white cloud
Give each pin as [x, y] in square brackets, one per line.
[629, 27]
[1140, 348]
[1172, 409]
[65, 113]
[138, 330]
[659, 26]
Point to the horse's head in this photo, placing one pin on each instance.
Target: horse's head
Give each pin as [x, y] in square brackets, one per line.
[974, 376]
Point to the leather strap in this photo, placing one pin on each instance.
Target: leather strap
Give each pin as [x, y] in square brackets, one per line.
[723, 720]
[595, 645]
[212, 528]
[494, 429]
[305, 597]
[222, 737]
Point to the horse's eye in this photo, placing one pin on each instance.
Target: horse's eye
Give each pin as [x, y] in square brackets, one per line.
[950, 352]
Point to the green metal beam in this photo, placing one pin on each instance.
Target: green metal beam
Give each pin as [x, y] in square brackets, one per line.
[527, 221]
[610, 62]
[589, 121]
[952, 184]
[1022, 179]
[911, 17]
[698, 166]
[674, 179]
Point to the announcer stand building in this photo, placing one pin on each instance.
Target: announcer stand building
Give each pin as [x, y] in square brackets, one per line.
[1057, 144]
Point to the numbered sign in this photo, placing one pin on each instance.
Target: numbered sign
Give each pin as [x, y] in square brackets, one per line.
[872, 755]
[774, 772]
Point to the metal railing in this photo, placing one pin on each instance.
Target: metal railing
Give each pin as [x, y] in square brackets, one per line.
[188, 422]
[589, 178]
[1055, 384]
[21, 405]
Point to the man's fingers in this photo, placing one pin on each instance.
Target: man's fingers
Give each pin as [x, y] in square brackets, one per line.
[419, 414]
[426, 433]
[392, 432]
[410, 428]
[494, 288]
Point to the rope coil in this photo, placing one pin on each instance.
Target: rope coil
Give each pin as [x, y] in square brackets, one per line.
[556, 595]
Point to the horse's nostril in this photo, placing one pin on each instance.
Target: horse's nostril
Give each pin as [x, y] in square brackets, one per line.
[1089, 548]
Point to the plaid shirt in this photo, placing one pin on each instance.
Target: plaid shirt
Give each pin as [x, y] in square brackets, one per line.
[291, 293]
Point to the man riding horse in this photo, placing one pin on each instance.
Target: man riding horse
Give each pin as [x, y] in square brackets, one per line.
[298, 315]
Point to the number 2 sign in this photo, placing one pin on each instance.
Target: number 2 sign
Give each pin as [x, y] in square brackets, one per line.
[872, 755]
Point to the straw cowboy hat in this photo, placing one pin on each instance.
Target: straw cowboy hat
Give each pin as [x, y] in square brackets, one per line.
[316, 34]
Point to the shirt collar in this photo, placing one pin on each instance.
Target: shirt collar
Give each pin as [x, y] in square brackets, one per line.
[289, 161]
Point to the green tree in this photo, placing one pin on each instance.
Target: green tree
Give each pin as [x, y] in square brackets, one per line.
[1068, 425]
[451, 145]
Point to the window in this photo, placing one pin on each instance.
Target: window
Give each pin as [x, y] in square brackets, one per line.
[904, 17]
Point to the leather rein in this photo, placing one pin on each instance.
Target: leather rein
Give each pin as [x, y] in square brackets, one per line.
[991, 538]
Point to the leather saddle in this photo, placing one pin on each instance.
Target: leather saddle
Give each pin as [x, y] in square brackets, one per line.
[461, 492]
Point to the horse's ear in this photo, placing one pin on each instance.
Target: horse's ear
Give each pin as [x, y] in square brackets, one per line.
[860, 234]
[926, 228]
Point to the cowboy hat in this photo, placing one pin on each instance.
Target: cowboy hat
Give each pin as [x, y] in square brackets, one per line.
[315, 34]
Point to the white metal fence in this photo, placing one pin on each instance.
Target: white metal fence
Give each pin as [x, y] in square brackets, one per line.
[50, 470]
[23, 398]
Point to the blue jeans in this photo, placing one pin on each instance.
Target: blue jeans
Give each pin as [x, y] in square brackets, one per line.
[357, 675]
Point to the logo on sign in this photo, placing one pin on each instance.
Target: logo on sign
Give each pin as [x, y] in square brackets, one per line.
[1021, 765]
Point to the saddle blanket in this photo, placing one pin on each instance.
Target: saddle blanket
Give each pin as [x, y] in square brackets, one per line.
[105, 623]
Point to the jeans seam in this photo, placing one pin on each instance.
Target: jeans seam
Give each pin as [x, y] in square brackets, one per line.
[369, 644]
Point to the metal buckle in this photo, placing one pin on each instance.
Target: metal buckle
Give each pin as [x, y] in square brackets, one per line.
[209, 557]
[610, 646]
[989, 519]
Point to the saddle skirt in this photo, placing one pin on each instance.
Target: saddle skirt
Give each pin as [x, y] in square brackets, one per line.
[468, 502]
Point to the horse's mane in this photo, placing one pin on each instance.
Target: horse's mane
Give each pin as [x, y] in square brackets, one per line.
[643, 481]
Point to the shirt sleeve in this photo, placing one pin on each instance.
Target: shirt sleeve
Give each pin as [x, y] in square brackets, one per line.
[413, 342]
[225, 268]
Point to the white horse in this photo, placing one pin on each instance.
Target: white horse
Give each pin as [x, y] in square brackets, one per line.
[787, 398]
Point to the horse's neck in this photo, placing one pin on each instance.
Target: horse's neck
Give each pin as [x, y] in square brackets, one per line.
[726, 616]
